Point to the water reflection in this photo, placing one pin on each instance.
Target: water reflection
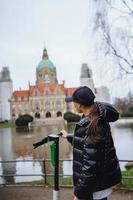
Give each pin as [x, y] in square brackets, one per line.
[123, 139]
[27, 168]
[7, 153]
[67, 166]
[2, 181]
[17, 145]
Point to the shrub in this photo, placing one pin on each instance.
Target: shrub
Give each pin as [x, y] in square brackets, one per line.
[72, 117]
[129, 112]
[23, 120]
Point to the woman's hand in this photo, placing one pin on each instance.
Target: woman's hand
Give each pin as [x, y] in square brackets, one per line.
[64, 133]
[75, 198]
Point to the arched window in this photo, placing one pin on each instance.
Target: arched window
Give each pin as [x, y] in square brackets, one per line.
[37, 108]
[37, 115]
[59, 114]
[48, 115]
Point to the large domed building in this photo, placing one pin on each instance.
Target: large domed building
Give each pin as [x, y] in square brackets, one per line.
[45, 99]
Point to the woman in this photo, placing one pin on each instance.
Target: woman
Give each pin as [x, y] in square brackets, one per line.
[95, 164]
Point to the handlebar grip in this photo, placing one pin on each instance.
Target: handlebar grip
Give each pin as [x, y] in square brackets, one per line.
[37, 144]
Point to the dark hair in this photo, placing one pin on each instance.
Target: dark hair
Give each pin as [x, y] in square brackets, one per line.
[93, 134]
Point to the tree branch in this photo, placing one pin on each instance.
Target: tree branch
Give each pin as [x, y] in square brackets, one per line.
[125, 3]
[118, 10]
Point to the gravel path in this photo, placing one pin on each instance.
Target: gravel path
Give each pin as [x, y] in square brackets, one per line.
[41, 193]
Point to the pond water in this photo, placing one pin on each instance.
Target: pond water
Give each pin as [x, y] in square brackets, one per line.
[18, 144]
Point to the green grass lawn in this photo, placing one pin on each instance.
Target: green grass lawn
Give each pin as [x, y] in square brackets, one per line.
[127, 182]
[7, 125]
[67, 181]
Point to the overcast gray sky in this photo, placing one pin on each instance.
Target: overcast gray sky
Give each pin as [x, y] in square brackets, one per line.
[26, 26]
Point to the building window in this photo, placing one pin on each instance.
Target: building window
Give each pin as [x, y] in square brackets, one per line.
[37, 115]
[48, 115]
[37, 105]
[46, 79]
[13, 115]
[47, 104]
[13, 110]
[59, 114]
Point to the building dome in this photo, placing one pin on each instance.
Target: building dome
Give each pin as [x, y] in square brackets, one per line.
[46, 71]
[45, 63]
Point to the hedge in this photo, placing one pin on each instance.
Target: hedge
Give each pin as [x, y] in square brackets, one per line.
[23, 120]
[72, 117]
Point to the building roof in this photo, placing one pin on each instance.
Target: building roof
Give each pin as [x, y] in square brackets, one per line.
[70, 91]
[40, 87]
[21, 93]
[45, 63]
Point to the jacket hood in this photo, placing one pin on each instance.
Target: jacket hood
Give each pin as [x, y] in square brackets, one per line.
[107, 112]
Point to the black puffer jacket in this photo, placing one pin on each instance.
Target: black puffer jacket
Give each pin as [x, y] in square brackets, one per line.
[95, 166]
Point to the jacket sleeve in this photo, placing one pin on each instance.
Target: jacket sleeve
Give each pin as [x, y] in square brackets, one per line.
[70, 137]
[87, 180]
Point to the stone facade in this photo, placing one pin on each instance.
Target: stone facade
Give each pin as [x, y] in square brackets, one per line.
[40, 101]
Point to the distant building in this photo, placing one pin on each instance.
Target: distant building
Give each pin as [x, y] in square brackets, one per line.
[45, 99]
[6, 89]
[102, 94]
[86, 79]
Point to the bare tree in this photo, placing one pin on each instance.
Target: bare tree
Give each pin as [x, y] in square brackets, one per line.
[112, 25]
[125, 105]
